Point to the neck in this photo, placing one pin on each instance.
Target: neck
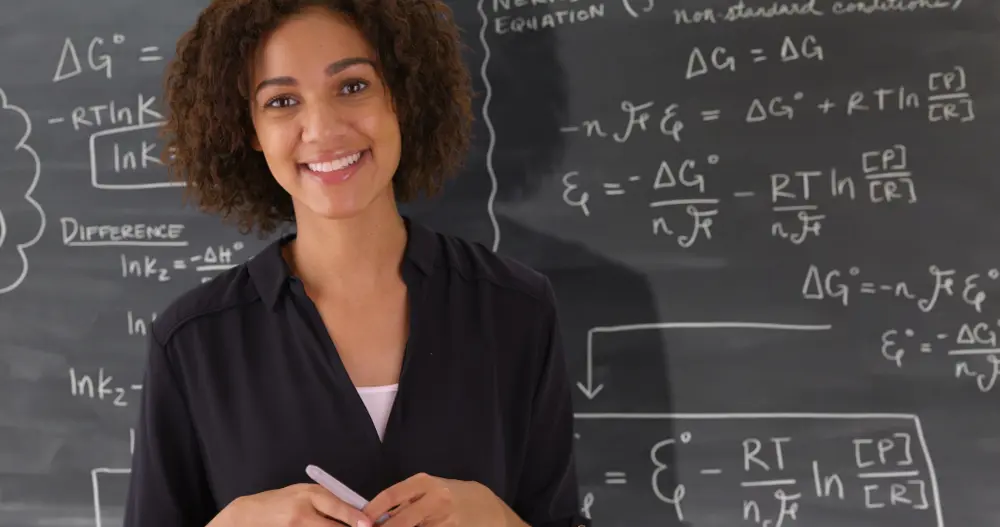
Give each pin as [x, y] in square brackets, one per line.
[349, 256]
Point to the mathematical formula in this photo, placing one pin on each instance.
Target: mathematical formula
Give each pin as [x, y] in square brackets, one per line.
[973, 346]
[98, 60]
[116, 113]
[210, 261]
[941, 284]
[721, 59]
[779, 469]
[947, 100]
[884, 174]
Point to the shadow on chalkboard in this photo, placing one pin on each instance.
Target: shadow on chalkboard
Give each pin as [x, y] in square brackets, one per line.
[522, 102]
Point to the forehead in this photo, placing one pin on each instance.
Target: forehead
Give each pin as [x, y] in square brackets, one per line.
[307, 42]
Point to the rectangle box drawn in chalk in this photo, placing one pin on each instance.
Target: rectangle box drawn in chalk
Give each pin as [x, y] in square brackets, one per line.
[919, 443]
[127, 161]
[117, 479]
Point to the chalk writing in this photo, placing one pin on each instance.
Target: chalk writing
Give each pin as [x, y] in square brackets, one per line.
[741, 12]
[211, 260]
[636, 119]
[940, 284]
[721, 59]
[949, 99]
[101, 387]
[23, 169]
[113, 113]
[137, 325]
[793, 195]
[973, 347]
[540, 19]
[136, 234]
[945, 101]
[590, 389]
[98, 57]
[781, 469]
[127, 158]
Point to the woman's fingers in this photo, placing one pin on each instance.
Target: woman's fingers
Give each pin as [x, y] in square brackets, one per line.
[329, 505]
[402, 493]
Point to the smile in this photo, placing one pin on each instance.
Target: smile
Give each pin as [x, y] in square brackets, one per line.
[335, 170]
[336, 164]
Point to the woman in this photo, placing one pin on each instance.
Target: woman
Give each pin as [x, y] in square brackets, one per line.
[423, 371]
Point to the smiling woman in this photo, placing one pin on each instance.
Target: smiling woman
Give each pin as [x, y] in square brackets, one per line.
[329, 134]
[423, 371]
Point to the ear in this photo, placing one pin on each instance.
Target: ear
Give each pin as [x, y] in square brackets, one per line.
[255, 143]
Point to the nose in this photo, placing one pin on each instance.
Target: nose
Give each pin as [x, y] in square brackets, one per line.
[322, 121]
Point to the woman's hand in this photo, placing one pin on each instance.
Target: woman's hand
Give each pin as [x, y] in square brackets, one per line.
[305, 505]
[430, 501]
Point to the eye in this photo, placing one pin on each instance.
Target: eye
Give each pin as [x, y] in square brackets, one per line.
[281, 101]
[354, 86]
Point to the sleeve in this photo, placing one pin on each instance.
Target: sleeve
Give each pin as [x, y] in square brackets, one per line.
[167, 485]
[548, 495]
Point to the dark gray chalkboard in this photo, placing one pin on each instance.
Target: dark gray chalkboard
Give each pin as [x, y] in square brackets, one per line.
[820, 357]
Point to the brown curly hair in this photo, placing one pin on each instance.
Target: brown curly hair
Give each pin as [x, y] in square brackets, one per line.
[208, 128]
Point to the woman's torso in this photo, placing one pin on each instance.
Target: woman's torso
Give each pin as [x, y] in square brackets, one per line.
[268, 393]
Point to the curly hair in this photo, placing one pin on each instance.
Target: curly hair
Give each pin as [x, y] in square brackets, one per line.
[208, 129]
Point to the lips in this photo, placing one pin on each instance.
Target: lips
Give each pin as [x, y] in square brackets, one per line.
[335, 170]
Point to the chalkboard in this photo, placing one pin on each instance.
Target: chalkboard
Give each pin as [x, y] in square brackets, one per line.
[770, 226]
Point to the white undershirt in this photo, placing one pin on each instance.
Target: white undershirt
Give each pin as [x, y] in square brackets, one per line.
[378, 400]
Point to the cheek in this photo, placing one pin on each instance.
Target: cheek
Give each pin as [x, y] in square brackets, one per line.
[278, 141]
[381, 127]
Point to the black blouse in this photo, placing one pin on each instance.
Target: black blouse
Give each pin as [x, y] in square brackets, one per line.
[244, 388]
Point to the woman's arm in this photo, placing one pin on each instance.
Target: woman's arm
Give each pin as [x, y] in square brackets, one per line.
[168, 486]
[548, 495]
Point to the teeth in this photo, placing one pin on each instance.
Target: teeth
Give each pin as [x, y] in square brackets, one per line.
[336, 164]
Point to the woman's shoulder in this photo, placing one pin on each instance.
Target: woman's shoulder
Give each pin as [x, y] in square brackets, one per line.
[227, 290]
[474, 262]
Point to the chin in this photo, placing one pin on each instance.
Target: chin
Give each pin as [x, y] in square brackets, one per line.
[339, 212]
[339, 208]
[346, 200]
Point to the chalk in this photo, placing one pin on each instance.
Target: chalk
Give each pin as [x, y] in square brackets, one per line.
[340, 490]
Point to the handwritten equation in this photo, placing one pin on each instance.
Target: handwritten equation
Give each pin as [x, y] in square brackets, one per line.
[125, 151]
[973, 346]
[212, 259]
[98, 56]
[947, 99]
[701, 62]
[942, 283]
[775, 469]
[124, 154]
[206, 263]
[884, 177]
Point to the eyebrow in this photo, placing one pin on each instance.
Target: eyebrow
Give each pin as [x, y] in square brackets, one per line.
[333, 69]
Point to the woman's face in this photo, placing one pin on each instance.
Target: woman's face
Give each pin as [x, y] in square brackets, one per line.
[322, 116]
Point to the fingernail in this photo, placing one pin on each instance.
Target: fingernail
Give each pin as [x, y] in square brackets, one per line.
[363, 523]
